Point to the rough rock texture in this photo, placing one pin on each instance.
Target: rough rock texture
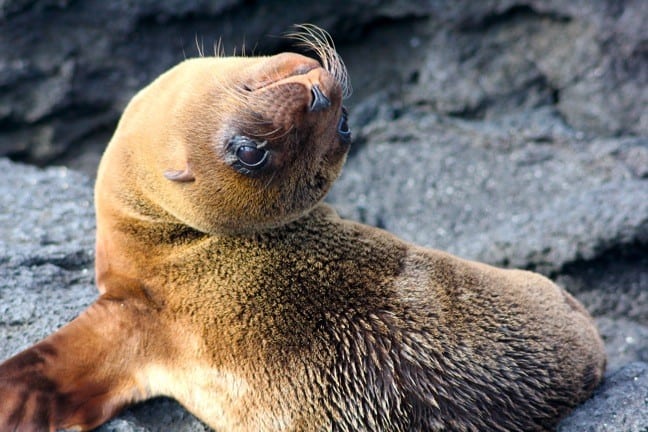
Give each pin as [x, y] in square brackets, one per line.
[46, 252]
[63, 86]
[618, 405]
[514, 132]
[47, 276]
[521, 190]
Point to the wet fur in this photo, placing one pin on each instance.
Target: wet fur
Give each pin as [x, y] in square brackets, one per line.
[259, 309]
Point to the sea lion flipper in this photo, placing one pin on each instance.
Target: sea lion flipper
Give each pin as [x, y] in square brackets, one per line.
[78, 377]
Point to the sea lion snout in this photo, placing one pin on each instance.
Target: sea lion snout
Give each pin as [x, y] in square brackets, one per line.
[292, 85]
[280, 67]
[287, 68]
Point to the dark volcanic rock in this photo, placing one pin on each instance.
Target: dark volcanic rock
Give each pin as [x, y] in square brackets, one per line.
[47, 269]
[524, 190]
[591, 62]
[618, 405]
[46, 252]
[614, 288]
[63, 86]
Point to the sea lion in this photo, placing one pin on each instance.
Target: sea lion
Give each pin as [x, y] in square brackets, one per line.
[226, 284]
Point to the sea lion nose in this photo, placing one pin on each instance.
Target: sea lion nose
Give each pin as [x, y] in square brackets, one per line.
[320, 101]
[319, 81]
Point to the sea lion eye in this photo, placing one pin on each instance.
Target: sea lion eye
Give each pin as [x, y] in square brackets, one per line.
[343, 127]
[251, 157]
[246, 155]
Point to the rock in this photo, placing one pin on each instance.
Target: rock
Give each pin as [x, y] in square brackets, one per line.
[618, 405]
[614, 288]
[158, 415]
[524, 190]
[590, 62]
[47, 229]
[46, 252]
[62, 88]
[63, 93]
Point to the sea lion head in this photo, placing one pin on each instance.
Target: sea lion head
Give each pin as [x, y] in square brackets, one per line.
[232, 144]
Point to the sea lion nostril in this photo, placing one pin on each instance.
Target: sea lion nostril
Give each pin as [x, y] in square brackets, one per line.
[320, 102]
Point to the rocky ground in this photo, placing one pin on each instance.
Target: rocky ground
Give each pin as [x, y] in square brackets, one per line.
[513, 132]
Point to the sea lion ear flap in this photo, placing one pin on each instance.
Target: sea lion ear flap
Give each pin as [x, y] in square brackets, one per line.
[182, 176]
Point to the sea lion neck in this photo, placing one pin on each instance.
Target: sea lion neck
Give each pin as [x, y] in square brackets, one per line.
[150, 244]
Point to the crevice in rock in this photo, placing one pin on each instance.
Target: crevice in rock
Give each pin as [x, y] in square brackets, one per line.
[614, 284]
[484, 23]
[78, 260]
[477, 112]
[555, 95]
[72, 125]
[633, 253]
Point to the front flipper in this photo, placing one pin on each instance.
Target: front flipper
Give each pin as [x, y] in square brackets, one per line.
[80, 376]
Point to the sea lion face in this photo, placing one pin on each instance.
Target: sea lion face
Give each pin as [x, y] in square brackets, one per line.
[277, 147]
[233, 144]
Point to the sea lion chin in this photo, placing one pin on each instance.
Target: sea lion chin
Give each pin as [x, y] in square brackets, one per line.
[226, 284]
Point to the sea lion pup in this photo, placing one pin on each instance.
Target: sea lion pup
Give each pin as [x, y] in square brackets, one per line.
[226, 284]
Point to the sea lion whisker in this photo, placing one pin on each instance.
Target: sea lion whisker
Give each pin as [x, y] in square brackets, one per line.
[237, 93]
[269, 133]
[200, 46]
[219, 49]
[243, 48]
[267, 184]
[285, 132]
[321, 43]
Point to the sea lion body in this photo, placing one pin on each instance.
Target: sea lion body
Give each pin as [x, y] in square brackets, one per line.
[227, 285]
[331, 325]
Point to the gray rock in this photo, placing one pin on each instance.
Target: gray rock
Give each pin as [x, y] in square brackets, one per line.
[46, 252]
[618, 405]
[614, 288]
[159, 415]
[625, 339]
[589, 61]
[47, 231]
[64, 86]
[524, 190]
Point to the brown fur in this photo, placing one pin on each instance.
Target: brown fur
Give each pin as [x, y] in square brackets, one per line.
[259, 309]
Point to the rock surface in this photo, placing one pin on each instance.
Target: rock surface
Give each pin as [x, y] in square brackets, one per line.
[618, 405]
[62, 87]
[523, 190]
[509, 131]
